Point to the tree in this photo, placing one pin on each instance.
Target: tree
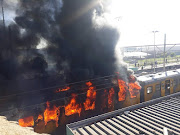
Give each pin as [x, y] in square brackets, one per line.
[172, 54]
[162, 55]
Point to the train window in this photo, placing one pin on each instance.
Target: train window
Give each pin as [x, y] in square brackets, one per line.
[149, 89]
[175, 82]
[162, 85]
[171, 83]
[158, 87]
[167, 87]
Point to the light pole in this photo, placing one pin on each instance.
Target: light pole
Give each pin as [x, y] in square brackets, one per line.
[154, 49]
[3, 13]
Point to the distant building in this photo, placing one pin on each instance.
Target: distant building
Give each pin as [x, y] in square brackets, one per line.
[135, 54]
[129, 49]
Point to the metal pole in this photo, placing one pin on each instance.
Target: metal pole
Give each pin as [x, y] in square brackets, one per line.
[154, 53]
[154, 50]
[164, 68]
[3, 13]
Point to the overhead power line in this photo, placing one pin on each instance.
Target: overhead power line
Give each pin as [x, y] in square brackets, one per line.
[170, 48]
[54, 100]
[159, 49]
[178, 44]
[50, 88]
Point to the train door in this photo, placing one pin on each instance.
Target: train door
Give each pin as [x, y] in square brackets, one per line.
[157, 92]
[148, 93]
[175, 85]
[171, 86]
[142, 92]
[179, 84]
[167, 87]
[162, 88]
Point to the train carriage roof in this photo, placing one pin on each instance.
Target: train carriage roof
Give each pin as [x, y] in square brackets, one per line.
[158, 76]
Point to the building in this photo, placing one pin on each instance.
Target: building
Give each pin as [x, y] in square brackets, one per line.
[159, 116]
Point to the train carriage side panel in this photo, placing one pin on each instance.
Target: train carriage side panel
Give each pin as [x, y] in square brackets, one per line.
[157, 90]
[134, 100]
[152, 91]
[175, 85]
[168, 86]
[163, 88]
[128, 101]
[148, 92]
[142, 91]
[159, 84]
[171, 86]
[178, 83]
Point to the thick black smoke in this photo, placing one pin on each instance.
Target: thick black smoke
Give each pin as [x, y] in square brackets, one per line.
[90, 49]
[81, 48]
[17, 55]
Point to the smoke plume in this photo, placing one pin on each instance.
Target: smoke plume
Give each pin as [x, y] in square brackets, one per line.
[79, 39]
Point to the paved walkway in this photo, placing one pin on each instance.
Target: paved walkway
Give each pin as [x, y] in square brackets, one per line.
[12, 128]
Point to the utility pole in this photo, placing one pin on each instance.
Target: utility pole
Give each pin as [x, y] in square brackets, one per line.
[3, 13]
[154, 50]
[164, 68]
[147, 49]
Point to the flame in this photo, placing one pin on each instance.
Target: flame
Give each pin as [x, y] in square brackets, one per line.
[89, 104]
[64, 89]
[134, 89]
[73, 107]
[51, 114]
[89, 84]
[122, 90]
[27, 122]
[110, 98]
[40, 117]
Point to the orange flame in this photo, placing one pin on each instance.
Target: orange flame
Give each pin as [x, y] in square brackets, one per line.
[89, 84]
[134, 89]
[64, 89]
[89, 104]
[122, 90]
[40, 117]
[27, 122]
[51, 114]
[73, 107]
[110, 98]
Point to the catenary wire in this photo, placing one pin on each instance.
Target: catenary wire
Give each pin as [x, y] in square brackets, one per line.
[7, 97]
[53, 100]
[48, 88]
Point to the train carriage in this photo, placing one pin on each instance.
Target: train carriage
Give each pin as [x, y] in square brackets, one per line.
[159, 84]
[161, 96]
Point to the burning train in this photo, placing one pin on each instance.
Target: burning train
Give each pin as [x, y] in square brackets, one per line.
[114, 93]
[82, 100]
[81, 43]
